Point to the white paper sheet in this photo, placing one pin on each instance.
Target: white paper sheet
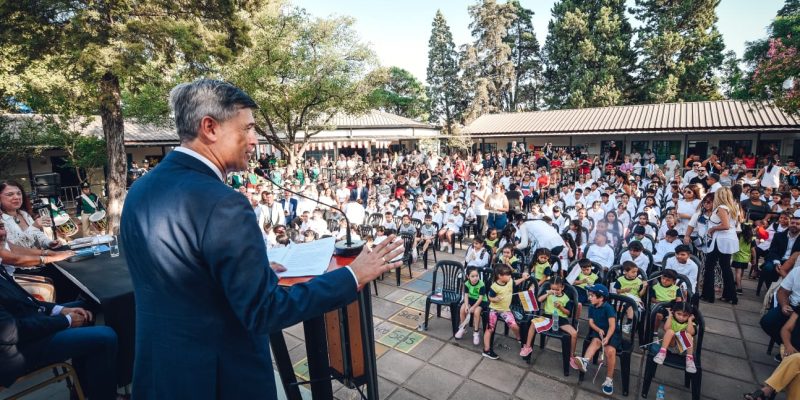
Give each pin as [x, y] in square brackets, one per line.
[304, 259]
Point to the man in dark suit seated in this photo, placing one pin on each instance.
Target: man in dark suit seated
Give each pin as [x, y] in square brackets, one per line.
[783, 245]
[206, 297]
[49, 333]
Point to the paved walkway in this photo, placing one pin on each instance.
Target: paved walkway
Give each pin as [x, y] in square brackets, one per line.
[433, 365]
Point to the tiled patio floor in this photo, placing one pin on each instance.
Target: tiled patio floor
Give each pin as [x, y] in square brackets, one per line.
[433, 365]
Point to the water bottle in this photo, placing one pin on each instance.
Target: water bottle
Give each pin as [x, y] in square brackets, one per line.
[660, 393]
[555, 321]
[96, 245]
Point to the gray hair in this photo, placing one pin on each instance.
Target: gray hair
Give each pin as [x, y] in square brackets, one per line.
[191, 102]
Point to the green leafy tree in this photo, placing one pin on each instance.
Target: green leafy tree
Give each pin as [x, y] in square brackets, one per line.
[773, 65]
[490, 24]
[402, 94]
[681, 50]
[444, 88]
[785, 26]
[302, 71]
[778, 76]
[588, 55]
[105, 46]
[525, 91]
[733, 78]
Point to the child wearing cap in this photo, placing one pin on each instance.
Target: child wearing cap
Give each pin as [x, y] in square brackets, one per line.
[602, 334]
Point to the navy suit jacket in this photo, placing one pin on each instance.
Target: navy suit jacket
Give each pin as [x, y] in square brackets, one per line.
[206, 298]
[293, 213]
[33, 318]
[778, 246]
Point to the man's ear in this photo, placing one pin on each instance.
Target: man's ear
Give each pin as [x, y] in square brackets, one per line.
[209, 128]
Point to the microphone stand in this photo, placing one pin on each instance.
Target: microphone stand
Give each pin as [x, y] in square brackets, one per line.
[344, 248]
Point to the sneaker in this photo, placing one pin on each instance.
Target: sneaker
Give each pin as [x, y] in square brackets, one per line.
[573, 363]
[660, 357]
[490, 355]
[526, 351]
[608, 387]
[690, 367]
[581, 363]
[626, 328]
[739, 291]
[476, 338]
[460, 333]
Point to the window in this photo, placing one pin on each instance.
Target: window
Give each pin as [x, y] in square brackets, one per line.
[732, 148]
[664, 148]
[769, 147]
[606, 144]
[488, 147]
[639, 146]
[698, 148]
[317, 154]
[523, 144]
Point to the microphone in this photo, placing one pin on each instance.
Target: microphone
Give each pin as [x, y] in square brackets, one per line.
[345, 248]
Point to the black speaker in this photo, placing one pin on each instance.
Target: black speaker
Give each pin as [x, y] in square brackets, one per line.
[47, 185]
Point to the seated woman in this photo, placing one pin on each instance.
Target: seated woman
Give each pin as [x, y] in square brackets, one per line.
[22, 229]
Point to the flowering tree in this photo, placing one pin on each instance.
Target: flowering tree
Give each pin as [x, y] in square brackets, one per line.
[778, 75]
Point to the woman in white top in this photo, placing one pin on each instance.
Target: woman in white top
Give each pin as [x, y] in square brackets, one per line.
[481, 196]
[724, 242]
[497, 207]
[698, 224]
[771, 174]
[687, 206]
[22, 229]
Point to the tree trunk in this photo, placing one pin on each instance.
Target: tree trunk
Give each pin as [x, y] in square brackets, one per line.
[114, 131]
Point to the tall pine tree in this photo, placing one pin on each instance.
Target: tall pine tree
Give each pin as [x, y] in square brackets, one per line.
[525, 90]
[490, 24]
[588, 55]
[681, 49]
[444, 87]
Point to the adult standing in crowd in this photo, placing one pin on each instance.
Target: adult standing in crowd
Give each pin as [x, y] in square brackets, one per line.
[207, 300]
[724, 242]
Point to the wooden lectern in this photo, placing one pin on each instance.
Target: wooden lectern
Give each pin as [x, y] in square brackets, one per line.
[340, 344]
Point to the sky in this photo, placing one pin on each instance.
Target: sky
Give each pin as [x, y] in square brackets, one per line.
[398, 31]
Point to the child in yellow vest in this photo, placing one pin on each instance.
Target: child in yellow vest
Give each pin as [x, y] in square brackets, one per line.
[554, 301]
[631, 285]
[680, 319]
[500, 294]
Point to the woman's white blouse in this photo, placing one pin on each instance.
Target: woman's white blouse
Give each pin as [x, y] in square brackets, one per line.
[30, 237]
[727, 241]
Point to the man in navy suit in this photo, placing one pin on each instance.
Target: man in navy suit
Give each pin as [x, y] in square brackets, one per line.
[206, 297]
[289, 207]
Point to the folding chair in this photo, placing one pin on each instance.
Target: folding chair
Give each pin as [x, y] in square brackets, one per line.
[449, 276]
[621, 304]
[676, 361]
[66, 373]
[566, 344]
